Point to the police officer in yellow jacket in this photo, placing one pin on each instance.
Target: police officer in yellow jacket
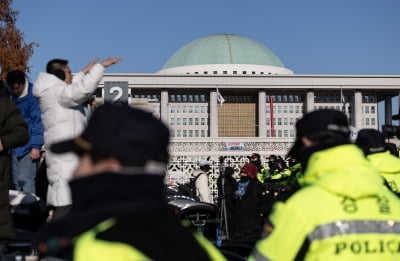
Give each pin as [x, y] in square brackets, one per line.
[119, 211]
[372, 142]
[342, 212]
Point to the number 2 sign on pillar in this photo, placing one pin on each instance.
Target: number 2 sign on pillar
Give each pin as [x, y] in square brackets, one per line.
[116, 92]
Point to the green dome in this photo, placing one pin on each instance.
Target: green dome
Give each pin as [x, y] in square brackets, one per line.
[223, 49]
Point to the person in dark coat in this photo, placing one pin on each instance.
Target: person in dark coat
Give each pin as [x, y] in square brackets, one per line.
[226, 193]
[249, 203]
[119, 210]
[13, 133]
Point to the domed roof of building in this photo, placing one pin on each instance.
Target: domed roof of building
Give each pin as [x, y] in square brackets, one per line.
[221, 49]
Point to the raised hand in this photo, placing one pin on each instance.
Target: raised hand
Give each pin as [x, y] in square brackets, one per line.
[109, 61]
[90, 65]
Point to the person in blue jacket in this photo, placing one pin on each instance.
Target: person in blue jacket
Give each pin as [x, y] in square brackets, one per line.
[25, 158]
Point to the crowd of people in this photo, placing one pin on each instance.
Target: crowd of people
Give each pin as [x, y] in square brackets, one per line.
[328, 199]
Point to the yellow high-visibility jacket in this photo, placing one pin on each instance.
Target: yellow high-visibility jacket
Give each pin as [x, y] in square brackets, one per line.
[344, 212]
[88, 247]
[388, 166]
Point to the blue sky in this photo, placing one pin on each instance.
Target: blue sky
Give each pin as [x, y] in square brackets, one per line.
[309, 36]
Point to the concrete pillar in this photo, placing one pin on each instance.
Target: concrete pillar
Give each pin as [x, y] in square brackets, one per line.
[309, 101]
[164, 106]
[357, 110]
[388, 110]
[213, 114]
[262, 123]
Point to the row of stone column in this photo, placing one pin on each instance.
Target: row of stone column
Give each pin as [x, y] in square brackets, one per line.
[262, 126]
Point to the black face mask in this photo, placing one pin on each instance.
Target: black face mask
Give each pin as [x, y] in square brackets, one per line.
[244, 178]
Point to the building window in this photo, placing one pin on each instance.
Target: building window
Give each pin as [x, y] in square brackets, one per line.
[285, 133]
[268, 133]
[215, 72]
[268, 122]
[225, 72]
[372, 109]
[178, 121]
[234, 72]
[196, 121]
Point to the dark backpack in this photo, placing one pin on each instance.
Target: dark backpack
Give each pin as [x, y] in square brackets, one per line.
[189, 188]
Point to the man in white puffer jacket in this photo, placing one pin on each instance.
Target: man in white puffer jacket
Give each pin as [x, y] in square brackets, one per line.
[61, 99]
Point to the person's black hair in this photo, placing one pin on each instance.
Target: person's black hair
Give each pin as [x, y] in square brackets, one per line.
[329, 137]
[56, 67]
[205, 167]
[229, 171]
[15, 77]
